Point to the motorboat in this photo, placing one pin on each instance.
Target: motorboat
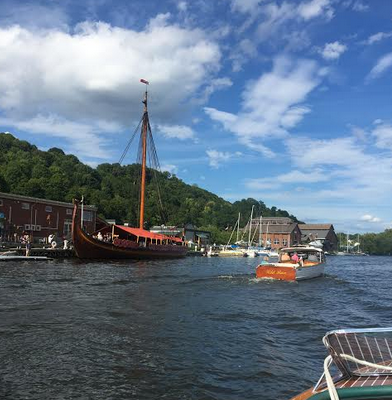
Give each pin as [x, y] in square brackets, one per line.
[294, 264]
[363, 358]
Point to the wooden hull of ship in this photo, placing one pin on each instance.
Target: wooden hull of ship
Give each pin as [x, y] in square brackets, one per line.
[87, 247]
[288, 272]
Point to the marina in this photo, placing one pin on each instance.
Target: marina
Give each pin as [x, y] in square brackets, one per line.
[197, 327]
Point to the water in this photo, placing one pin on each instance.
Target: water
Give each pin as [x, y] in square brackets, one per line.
[196, 328]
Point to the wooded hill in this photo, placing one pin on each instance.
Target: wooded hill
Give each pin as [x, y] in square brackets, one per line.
[113, 188]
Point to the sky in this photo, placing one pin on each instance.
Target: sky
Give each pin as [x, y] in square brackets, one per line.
[288, 102]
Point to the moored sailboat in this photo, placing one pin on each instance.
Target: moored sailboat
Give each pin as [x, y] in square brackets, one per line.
[118, 241]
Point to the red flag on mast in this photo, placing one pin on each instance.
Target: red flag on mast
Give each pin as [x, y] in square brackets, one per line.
[144, 81]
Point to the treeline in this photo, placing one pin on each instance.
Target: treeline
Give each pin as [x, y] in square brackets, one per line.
[370, 243]
[114, 189]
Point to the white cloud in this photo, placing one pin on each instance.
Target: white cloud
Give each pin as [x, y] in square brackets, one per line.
[370, 218]
[315, 8]
[245, 6]
[333, 51]
[93, 73]
[381, 66]
[271, 104]
[182, 6]
[181, 132]
[216, 158]
[377, 37]
[359, 6]
[84, 137]
[383, 136]
[173, 169]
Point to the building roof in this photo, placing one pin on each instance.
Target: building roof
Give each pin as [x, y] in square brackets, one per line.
[272, 220]
[314, 227]
[42, 201]
[280, 228]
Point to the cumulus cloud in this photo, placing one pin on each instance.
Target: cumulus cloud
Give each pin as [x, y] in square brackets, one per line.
[245, 6]
[377, 37]
[272, 104]
[381, 66]
[82, 137]
[315, 8]
[383, 135]
[93, 73]
[173, 169]
[181, 132]
[370, 218]
[333, 51]
[216, 158]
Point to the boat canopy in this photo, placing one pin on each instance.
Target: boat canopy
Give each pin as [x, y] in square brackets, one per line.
[300, 249]
[147, 234]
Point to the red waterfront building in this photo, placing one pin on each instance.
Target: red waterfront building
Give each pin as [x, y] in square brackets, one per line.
[20, 215]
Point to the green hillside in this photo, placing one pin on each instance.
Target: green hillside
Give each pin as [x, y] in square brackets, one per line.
[113, 188]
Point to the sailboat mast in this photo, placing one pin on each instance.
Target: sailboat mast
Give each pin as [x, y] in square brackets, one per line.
[260, 230]
[250, 227]
[144, 157]
[238, 226]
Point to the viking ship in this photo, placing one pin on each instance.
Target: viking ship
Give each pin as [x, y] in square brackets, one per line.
[363, 359]
[124, 242]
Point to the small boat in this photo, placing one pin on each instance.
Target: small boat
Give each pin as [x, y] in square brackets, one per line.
[294, 264]
[363, 358]
[13, 256]
[230, 251]
[123, 242]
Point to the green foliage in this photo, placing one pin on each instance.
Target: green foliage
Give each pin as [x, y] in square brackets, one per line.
[370, 243]
[114, 189]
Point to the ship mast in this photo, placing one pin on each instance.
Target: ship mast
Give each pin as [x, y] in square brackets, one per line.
[144, 155]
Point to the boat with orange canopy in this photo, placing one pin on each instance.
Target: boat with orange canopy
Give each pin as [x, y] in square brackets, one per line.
[119, 241]
[363, 361]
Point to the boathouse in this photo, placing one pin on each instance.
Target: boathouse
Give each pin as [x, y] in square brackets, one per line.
[20, 215]
[275, 232]
[325, 233]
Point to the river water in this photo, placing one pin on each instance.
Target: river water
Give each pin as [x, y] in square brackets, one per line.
[196, 328]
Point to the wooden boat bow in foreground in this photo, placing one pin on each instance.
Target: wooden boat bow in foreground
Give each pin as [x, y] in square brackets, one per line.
[363, 358]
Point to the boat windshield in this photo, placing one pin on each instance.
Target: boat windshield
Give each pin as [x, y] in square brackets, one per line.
[370, 345]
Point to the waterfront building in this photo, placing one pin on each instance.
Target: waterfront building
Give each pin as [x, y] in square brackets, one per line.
[325, 233]
[275, 232]
[39, 218]
[189, 232]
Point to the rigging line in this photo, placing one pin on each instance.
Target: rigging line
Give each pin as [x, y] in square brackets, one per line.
[156, 168]
[129, 143]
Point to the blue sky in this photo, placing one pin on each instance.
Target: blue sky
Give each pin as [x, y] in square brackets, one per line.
[288, 102]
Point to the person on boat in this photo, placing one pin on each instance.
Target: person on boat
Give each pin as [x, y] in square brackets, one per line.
[28, 248]
[295, 257]
[99, 236]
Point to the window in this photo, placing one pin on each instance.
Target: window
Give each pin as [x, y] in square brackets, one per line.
[1, 202]
[276, 241]
[69, 211]
[48, 208]
[284, 242]
[25, 206]
[67, 227]
[87, 216]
